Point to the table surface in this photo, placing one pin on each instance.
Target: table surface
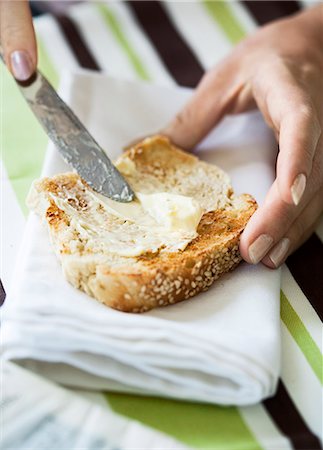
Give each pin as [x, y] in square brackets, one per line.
[167, 44]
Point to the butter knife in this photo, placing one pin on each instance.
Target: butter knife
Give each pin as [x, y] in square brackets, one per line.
[74, 142]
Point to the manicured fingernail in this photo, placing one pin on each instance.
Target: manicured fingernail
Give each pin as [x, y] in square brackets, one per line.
[298, 188]
[279, 252]
[21, 65]
[259, 248]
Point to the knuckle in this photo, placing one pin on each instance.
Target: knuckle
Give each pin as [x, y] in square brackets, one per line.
[184, 117]
[307, 114]
[306, 110]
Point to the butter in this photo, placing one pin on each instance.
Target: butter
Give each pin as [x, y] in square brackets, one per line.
[172, 211]
[169, 211]
[151, 223]
[160, 210]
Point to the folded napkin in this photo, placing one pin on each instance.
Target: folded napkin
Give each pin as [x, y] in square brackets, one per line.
[220, 347]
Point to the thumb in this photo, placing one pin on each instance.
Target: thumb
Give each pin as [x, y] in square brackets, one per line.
[18, 38]
[221, 91]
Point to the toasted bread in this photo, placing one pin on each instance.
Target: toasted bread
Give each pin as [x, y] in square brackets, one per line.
[92, 243]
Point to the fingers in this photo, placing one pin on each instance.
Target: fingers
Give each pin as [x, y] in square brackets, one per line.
[299, 135]
[18, 38]
[299, 232]
[289, 110]
[277, 228]
[215, 96]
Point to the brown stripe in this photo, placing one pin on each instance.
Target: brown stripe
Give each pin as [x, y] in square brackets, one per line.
[266, 11]
[2, 294]
[76, 42]
[289, 421]
[172, 49]
[306, 266]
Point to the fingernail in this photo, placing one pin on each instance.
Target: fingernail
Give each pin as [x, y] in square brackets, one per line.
[298, 188]
[259, 248]
[278, 253]
[20, 64]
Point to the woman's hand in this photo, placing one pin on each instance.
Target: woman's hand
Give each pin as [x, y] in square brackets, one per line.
[17, 38]
[280, 70]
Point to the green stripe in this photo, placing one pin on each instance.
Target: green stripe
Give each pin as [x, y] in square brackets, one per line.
[222, 15]
[195, 424]
[301, 336]
[115, 27]
[23, 141]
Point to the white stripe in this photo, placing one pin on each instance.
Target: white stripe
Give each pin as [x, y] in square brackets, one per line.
[302, 306]
[101, 41]
[141, 44]
[12, 226]
[206, 39]
[59, 51]
[264, 429]
[301, 383]
[243, 16]
[309, 3]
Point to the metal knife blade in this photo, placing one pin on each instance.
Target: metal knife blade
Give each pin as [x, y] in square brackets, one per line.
[74, 142]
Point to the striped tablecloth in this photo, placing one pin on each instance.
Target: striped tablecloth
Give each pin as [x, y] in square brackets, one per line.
[175, 43]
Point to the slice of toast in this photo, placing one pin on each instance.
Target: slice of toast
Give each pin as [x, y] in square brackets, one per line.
[124, 261]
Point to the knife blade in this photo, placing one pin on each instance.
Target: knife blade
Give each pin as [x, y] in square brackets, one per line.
[75, 144]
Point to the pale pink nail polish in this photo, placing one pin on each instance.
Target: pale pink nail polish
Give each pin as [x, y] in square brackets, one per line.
[298, 188]
[259, 248]
[279, 252]
[21, 65]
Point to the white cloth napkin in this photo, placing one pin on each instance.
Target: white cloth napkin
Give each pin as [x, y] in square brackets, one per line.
[223, 346]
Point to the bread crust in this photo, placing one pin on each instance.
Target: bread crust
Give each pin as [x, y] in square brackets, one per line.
[138, 284]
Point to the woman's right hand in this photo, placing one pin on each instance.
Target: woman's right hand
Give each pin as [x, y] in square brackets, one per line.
[17, 37]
